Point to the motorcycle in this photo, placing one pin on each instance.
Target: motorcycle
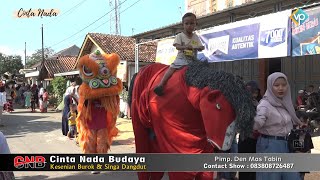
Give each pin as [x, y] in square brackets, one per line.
[310, 116]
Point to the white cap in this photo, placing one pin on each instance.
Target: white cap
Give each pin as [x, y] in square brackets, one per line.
[300, 91]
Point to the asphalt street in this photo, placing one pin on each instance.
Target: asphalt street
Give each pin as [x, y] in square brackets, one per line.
[28, 132]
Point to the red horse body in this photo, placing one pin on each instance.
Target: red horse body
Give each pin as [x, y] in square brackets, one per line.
[187, 119]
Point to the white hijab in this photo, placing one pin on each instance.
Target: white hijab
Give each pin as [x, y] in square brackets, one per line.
[286, 101]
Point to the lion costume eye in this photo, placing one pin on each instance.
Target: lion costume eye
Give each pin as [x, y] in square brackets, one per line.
[87, 71]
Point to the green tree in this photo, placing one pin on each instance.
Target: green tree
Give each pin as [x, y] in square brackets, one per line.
[59, 87]
[10, 63]
[37, 56]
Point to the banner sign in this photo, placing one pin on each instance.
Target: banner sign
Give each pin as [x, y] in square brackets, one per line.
[166, 52]
[306, 32]
[290, 162]
[260, 37]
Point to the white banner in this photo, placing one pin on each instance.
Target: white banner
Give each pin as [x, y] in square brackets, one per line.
[166, 52]
[260, 37]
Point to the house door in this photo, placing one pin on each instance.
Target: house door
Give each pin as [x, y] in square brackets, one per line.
[274, 65]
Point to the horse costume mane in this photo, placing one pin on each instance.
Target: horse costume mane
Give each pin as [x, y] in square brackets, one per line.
[201, 74]
[98, 101]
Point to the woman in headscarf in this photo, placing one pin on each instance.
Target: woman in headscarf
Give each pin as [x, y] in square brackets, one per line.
[68, 100]
[274, 120]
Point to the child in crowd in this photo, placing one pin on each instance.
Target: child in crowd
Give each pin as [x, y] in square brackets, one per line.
[33, 102]
[27, 98]
[72, 121]
[187, 43]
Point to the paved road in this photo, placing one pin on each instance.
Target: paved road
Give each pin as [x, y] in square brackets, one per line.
[41, 133]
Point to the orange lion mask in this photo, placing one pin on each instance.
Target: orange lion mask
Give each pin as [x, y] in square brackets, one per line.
[98, 101]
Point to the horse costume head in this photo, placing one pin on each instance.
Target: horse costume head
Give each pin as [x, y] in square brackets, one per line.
[214, 85]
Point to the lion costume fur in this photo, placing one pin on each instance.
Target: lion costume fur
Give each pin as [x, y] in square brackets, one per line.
[99, 100]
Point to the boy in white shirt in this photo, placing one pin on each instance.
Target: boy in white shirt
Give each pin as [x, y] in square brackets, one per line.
[187, 43]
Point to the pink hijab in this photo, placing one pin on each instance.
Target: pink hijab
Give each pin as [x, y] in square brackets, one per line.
[286, 101]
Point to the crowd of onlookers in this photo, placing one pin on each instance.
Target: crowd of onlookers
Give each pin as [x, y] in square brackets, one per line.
[23, 95]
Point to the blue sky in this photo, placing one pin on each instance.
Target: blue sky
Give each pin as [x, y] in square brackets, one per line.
[143, 16]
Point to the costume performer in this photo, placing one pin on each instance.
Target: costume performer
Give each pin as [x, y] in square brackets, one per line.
[98, 102]
[200, 113]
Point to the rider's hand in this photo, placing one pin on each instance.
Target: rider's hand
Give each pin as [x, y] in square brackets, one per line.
[188, 47]
[199, 48]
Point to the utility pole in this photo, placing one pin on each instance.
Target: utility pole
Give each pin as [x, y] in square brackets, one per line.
[42, 46]
[25, 55]
[116, 15]
[115, 21]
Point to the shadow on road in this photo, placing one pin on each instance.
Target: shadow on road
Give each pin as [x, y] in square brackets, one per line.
[128, 141]
[19, 125]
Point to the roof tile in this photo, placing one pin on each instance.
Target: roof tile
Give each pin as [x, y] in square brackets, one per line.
[124, 47]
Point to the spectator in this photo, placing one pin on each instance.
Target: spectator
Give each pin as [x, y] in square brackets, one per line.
[4, 149]
[27, 97]
[310, 89]
[68, 100]
[9, 106]
[274, 120]
[300, 102]
[72, 115]
[69, 90]
[44, 104]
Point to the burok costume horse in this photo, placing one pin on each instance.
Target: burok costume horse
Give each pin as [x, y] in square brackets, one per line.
[99, 102]
[200, 112]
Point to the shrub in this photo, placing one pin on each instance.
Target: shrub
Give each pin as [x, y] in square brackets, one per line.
[50, 89]
[53, 101]
[59, 87]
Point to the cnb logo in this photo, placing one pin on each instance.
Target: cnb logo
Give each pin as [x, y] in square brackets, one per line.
[299, 17]
[34, 162]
